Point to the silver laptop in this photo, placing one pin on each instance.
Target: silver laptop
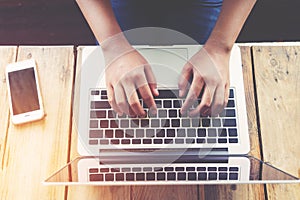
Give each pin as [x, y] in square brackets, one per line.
[167, 148]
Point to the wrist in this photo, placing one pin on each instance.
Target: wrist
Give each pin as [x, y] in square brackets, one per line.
[214, 46]
[114, 47]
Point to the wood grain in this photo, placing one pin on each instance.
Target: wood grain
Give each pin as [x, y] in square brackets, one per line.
[250, 191]
[277, 72]
[89, 192]
[37, 149]
[7, 55]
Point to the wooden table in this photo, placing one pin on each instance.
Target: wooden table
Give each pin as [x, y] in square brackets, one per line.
[31, 152]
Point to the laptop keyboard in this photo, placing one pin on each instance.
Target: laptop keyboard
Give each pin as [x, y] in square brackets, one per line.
[176, 172]
[168, 126]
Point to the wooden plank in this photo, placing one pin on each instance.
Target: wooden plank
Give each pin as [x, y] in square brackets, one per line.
[35, 150]
[277, 72]
[90, 192]
[7, 55]
[251, 190]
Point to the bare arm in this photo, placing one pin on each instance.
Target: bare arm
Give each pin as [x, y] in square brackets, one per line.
[210, 66]
[100, 16]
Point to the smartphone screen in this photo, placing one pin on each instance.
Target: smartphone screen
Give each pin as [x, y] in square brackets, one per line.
[23, 89]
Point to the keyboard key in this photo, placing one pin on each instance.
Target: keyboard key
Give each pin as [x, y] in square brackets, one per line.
[125, 141]
[233, 176]
[99, 105]
[232, 132]
[181, 132]
[150, 133]
[223, 176]
[104, 142]
[144, 122]
[222, 169]
[168, 141]
[103, 170]
[150, 176]
[229, 123]
[103, 92]
[93, 170]
[96, 133]
[96, 177]
[179, 141]
[109, 133]
[93, 123]
[189, 141]
[230, 113]
[115, 141]
[176, 103]
[169, 169]
[111, 114]
[190, 168]
[165, 122]
[222, 141]
[158, 169]
[171, 176]
[134, 123]
[202, 169]
[230, 104]
[161, 176]
[147, 141]
[195, 122]
[119, 133]
[167, 104]
[93, 142]
[170, 94]
[222, 132]
[139, 133]
[201, 132]
[211, 132]
[200, 141]
[158, 141]
[233, 140]
[126, 169]
[185, 122]
[155, 123]
[136, 141]
[170, 132]
[95, 92]
[206, 122]
[160, 133]
[231, 93]
[136, 169]
[175, 123]
[211, 141]
[233, 169]
[172, 113]
[104, 123]
[202, 176]
[130, 177]
[114, 123]
[212, 176]
[212, 169]
[181, 176]
[216, 122]
[162, 113]
[192, 176]
[109, 177]
[179, 169]
[124, 123]
[98, 114]
[191, 132]
[147, 169]
[119, 177]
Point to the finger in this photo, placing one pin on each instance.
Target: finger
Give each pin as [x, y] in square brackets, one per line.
[151, 80]
[111, 100]
[121, 99]
[193, 94]
[133, 100]
[218, 101]
[226, 95]
[203, 108]
[184, 78]
[147, 97]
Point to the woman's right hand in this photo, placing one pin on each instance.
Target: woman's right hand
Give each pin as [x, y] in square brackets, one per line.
[126, 73]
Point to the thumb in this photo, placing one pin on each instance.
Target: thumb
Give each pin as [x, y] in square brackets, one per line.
[184, 79]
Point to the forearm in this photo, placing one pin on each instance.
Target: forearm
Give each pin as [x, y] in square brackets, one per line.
[100, 17]
[229, 24]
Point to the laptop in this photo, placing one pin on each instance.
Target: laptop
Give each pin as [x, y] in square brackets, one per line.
[167, 148]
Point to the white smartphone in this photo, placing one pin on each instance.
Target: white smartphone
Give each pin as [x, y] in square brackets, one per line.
[24, 92]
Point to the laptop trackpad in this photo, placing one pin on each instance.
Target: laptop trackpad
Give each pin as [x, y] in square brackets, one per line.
[166, 64]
